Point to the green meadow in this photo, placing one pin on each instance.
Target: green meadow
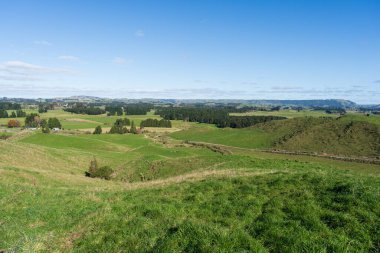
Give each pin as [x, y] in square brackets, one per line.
[169, 196]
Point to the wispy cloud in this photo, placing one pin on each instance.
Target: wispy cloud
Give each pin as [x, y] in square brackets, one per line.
[376, 81]
[23, 67]
[286, 88]
[139, 33]
[121, 61]
[68, 58]
[23, 71]
[42, 43]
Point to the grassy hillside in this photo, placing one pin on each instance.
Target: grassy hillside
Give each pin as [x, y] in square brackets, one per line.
[181, 198]
[350, 135]
[201, 202]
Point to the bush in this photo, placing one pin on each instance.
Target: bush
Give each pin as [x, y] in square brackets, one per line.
[98, 130]
[54, 123]
[13, 123]
[103, 172]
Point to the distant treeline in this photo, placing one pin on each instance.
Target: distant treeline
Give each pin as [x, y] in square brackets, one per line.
[80, 108]
[129, 109]
[137, 109]
[44, 107]
[9, 106]
[330, 110]
[155, 123]
[218, 116]
[114, 110]
[15, 114]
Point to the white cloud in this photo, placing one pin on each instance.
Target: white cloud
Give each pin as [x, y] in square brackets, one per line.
[68, 58]
[139, 33]
[23, 71]
[23, 67]
[42, 43]
[121, 61]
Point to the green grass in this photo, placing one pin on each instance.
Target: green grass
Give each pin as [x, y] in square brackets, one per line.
[72, 121]
[174, 198]
[279, 207]
[245, 138]
[350, 135]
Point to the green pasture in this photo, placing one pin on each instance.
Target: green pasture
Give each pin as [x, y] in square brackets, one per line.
[181, 198]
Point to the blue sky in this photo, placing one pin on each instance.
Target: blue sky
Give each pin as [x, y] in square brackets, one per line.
[285, 49]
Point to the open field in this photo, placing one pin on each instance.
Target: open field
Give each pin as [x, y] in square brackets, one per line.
[176, 197]
[72, 121]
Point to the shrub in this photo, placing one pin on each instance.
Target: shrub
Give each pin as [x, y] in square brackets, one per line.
[13, 123]
[98, 130]
[103, 172]
[54, 123]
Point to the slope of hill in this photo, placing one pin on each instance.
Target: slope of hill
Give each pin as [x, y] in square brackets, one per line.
[351, 135]
[194, 200]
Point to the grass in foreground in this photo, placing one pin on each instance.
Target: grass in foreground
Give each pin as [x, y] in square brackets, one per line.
[278, 210]
[180, 199]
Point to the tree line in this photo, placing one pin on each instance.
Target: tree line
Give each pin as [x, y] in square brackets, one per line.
[155, 123]
[138, 108]
[218, 116]
[9, 106]
[81, 108]
[14, 114]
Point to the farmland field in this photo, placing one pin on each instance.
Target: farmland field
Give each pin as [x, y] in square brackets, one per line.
[168, 196]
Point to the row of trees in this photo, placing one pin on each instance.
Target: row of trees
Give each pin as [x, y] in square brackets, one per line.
[114, 110]
[34, 120]
[9, 106]
[14, 114]
[218, 116]
[155, 123]
[128, 109]
[81, 108]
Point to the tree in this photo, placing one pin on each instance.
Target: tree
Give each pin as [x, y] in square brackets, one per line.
[133, 129]
[93, 167]
[98, 130]
[44, 125]
[13, 115]
[54, 123]
[13, 123]
[119, 126]
[3, 113]
[20, 113]
[42, 108]
[32, 120]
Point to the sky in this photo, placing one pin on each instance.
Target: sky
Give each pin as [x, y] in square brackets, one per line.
[237, 49]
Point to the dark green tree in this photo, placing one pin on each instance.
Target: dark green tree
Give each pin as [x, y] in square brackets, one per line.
[133, 129]
[98, 130]
[3, 113]
[54, 123]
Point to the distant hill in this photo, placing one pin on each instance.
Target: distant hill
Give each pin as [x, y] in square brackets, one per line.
[341, 136]
[328, 103]
[320, 103]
